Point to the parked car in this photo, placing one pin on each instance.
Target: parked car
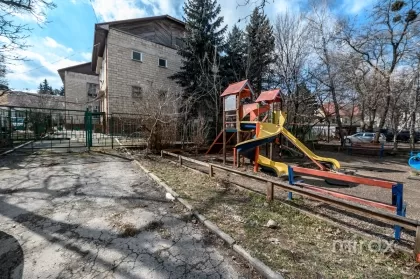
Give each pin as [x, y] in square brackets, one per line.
[403, 136]
[367, 137]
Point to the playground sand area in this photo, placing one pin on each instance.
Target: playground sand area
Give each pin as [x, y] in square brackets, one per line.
[299, 246]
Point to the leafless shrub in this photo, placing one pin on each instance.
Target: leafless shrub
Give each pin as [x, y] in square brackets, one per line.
[200, 132]
[160, 110]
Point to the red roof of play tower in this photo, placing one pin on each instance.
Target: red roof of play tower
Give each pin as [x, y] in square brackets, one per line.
[269, 96]
[236, 88]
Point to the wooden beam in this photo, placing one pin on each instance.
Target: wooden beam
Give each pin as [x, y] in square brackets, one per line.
[345, 177]
[376, 204]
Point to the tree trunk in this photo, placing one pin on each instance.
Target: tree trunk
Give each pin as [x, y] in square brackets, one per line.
[395, 143]
[385, 109]
[413, 114]
[328, 132]
[362, 116]
[412, 132]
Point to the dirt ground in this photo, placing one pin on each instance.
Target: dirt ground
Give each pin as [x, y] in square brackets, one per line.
[299, 246]
[87, 215]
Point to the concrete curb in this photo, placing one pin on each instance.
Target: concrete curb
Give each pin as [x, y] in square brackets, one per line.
[254, 262]
[257, 264]
[215, 229]
[185, 203]
[156, 179]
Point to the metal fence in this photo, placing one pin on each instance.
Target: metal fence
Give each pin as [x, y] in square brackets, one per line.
[40, 128]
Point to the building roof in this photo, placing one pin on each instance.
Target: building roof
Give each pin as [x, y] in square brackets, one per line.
[27, 99]
[85, 68]
[236, 88]
[269, 96]
[344, 110]
[101, 32]
[133, 20]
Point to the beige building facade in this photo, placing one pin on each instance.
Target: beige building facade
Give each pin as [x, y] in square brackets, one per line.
[81, 87]
[134, 58]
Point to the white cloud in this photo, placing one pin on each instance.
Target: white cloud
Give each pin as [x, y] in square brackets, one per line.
[50, 42]
[109, 10]
[44, 62]
[86, 55]
[356, 6]
[232, 11]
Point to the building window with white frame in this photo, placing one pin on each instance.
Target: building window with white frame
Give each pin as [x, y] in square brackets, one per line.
[137, 56]
[163, 63]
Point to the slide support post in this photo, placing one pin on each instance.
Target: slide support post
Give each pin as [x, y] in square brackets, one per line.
[291, 181]
[397, 201]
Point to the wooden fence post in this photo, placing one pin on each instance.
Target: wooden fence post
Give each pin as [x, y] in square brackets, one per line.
[211, 170]
[270, 191]
[417, 245]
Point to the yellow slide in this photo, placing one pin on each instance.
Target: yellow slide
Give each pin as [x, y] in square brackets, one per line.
[279, 168]
[303, 147]
[268, 132]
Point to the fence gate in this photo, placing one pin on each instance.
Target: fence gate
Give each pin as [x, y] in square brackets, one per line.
[96, 132]
[31, 129]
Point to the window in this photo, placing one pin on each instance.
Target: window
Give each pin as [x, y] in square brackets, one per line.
[92, 89]
[163, 63]
[136, 91]
[137, 56]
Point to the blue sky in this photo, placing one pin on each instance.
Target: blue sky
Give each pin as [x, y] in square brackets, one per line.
[67, 38]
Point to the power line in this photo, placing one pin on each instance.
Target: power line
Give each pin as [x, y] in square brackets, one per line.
[59, 60]
[40, 67]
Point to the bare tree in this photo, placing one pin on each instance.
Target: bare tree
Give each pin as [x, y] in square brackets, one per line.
[385, 40]
[323, 31]
[414, 103]
[292, 51]
[15, 33]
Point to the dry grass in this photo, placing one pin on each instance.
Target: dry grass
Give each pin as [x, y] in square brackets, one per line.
[300, 247]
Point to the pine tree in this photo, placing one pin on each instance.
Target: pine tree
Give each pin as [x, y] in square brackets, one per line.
[45, 88]
[235, 59]
[203, 41]
[41, 89]
[260, 52]
[62, 91]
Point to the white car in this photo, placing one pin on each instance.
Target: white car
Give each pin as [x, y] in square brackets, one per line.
[363, 138]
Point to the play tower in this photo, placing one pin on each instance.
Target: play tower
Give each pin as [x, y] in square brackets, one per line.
[251, 124]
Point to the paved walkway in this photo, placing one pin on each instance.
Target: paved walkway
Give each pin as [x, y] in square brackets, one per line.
[95, 216]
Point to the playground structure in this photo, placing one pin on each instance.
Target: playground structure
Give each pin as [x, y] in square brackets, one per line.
[414, 161]
[262, 122]
[257, 123]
